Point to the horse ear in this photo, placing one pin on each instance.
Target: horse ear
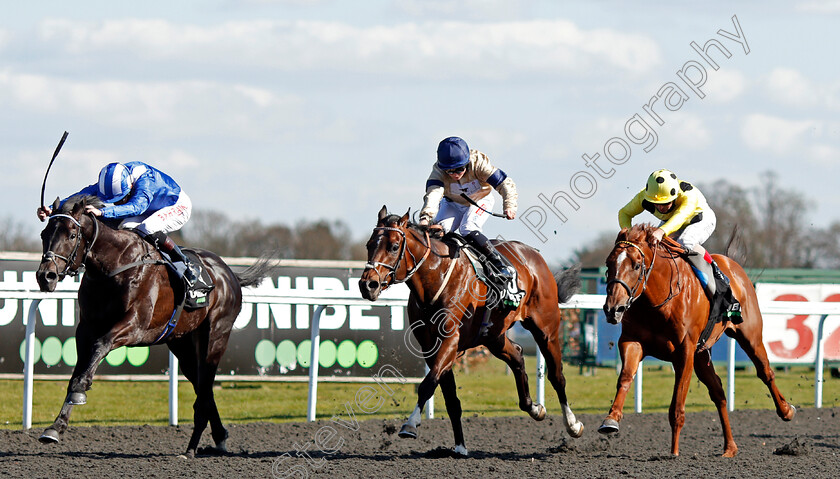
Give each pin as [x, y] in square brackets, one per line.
[405, 218]
[55, 203]
[622, 234]
[382, 213]
[78, 207]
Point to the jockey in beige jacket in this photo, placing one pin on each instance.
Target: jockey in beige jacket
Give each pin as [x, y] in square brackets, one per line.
[458, 171]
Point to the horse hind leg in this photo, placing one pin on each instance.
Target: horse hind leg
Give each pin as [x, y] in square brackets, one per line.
[552, 350]
[707, 375]
[511, 353]
[201, 375]
[755, 350]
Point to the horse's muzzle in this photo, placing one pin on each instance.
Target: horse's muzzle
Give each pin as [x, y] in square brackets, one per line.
[370, 288]
[47, 277]
[614, 314]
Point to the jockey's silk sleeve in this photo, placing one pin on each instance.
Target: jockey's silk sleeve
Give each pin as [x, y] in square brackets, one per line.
[687, 206]
[477, 182]
[630, 210]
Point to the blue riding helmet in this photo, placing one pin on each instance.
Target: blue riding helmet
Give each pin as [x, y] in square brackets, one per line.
[114, 183]
[452, 153]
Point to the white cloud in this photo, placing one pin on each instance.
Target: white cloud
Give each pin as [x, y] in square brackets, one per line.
[790, 87]
[463, 9]
[687, 130]
[181, 160]
[724, 85]
[428, 50]
[821, 6]
[776, 135]
[823, 155]
[181, 107]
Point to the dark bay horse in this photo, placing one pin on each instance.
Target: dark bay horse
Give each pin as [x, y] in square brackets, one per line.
[133, 307]
[447, 306]
[663, 309]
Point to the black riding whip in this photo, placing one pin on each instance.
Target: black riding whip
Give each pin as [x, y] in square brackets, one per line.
[470, 200]
[57, 149]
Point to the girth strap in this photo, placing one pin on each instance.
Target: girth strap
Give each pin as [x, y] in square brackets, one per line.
[135, 264]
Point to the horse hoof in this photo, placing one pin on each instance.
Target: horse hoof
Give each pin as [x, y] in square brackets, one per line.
[609, 426]
[576, 430]
[76, 399]
[791, 413]
[461, 450]
[49, 436]
[537, 412]
[408, 431]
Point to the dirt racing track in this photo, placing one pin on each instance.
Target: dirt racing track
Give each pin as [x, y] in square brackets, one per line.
[806, 447]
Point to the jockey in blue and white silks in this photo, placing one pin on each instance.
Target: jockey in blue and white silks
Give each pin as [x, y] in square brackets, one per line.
[146, 200]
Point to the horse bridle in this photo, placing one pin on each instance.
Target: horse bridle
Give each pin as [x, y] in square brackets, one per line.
[392, 270]
[641, 280]
[70, 260]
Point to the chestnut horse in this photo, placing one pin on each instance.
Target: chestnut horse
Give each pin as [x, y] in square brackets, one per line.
[447, 306]
[663, 309]
[126, 299]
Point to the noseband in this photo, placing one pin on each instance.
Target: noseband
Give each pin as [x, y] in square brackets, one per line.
[641, 282]
[70, 260]
[392, 270]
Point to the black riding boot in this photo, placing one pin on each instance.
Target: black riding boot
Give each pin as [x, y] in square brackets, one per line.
[165, 244]
[727, 305]
[500, 271]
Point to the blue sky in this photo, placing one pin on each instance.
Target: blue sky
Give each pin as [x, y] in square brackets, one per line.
[282, 110]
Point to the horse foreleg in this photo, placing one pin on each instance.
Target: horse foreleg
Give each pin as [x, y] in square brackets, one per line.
[706, 373]
[683, 365]
[89, 356]
[756, 352]
[631, 355]
[441, 364]
[453, 409]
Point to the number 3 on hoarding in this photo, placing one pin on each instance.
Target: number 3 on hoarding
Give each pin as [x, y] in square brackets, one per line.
[806, 335]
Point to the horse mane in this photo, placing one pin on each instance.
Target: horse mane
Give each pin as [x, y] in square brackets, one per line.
[416, 227]
[637, 233]
[83, 200]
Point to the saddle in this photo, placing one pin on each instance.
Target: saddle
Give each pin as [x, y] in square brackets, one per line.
[505, 294]
[724, 306]
[194, 295]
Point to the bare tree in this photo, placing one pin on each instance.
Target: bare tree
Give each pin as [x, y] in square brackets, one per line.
[307, 240]
[595, 253]
[14, 236]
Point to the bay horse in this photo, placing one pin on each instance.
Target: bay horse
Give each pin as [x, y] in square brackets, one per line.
[448, 305]
[663, 310]
[126, 299]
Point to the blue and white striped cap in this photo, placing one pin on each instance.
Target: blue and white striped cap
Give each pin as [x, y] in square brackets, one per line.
[113, 183]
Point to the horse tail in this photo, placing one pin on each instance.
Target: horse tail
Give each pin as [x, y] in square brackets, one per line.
[568, 283]
[255, 273]
[736, 249]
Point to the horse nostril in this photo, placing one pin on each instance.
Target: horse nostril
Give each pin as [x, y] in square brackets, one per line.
[621, 309]
[51, 276]
[372, 285]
